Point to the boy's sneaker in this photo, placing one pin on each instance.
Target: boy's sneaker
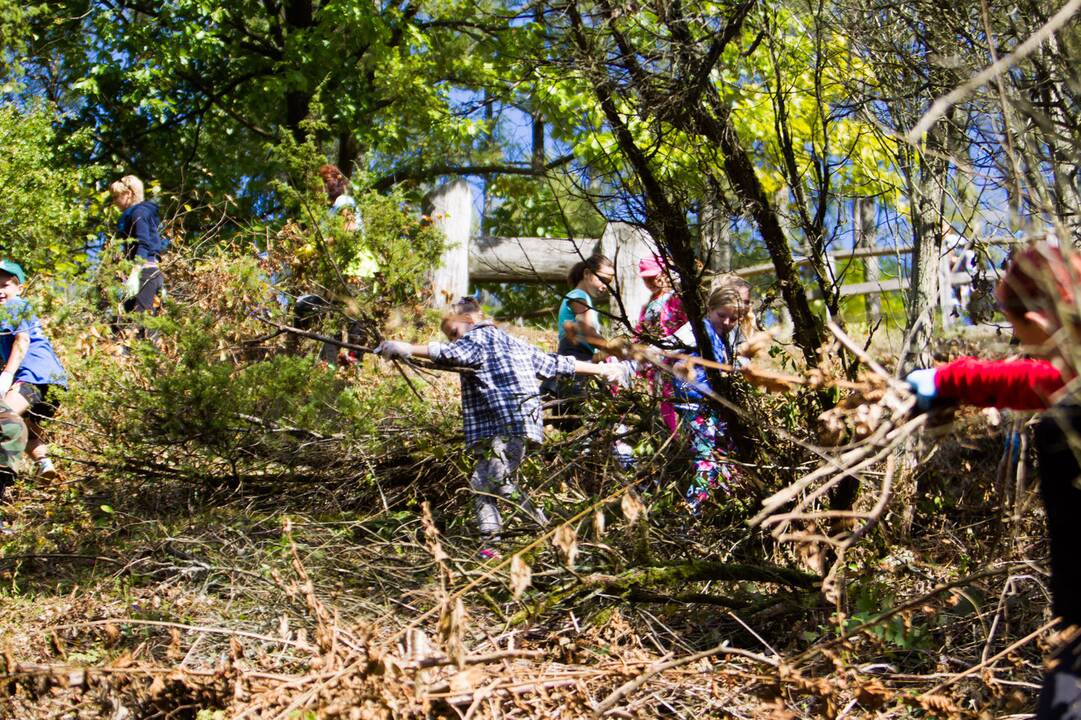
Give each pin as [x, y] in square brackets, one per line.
[46, 469]
[488, 547]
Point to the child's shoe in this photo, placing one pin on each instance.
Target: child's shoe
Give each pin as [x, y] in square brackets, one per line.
[46, 469]
[489, 549]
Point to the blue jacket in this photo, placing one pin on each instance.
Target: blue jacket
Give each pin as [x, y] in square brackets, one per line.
[692, 391]
[140, 225]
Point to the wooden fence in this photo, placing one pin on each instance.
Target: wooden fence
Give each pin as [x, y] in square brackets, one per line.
[471, 258]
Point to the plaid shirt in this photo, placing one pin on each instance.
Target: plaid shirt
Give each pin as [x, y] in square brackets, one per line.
[502, 395]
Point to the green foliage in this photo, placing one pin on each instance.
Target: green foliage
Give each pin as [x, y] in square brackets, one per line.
[194, 89]
[202, 402]
[407, 247]
[208, 714]
[903, 631]
[542, 208]
[536, 302]
[321, 253]
[15, 29]
[44, 209]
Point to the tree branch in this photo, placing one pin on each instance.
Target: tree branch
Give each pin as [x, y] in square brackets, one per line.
[417, 172]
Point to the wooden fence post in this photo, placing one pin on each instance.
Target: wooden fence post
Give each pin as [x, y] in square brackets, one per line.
[451, 209]
[525, 259]
[864, 221]
[626, 244]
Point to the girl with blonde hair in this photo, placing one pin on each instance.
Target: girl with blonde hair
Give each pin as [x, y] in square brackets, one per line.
[140, 228]
[726, 307]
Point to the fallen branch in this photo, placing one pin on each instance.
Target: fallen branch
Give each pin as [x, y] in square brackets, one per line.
[413, 362]
[700, 571]
[313, 336]
[60, 556]
[645, 596]
[288, 429]
[189, 628]
[443, 690]
[629, 585]
[627, 688]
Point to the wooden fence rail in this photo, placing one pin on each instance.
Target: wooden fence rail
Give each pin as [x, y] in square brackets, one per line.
[470, 258]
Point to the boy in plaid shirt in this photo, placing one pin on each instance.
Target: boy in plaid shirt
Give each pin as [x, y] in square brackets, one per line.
[501, 406]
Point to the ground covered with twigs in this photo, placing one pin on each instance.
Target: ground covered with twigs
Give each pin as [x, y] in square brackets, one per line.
[241, 533]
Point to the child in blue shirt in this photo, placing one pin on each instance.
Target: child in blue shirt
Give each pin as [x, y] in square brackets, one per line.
[591, 279]
[30, 371]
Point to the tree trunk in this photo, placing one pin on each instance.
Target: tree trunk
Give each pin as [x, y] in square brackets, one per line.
[299, 15]
[347, 152]
[716, 237]
[923, 282]
[741, 174]
[928, 180]
[538, 143]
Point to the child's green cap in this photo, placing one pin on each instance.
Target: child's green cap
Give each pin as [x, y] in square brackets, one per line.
[13, 268]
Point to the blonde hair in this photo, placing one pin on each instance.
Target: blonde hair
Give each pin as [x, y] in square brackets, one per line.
[128, 185]
[729, 289]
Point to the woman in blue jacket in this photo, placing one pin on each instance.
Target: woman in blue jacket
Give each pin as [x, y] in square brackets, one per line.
[140, 227]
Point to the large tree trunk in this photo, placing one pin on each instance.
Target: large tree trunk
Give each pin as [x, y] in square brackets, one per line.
[926, 221]
[299, 15]
[744, 180]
